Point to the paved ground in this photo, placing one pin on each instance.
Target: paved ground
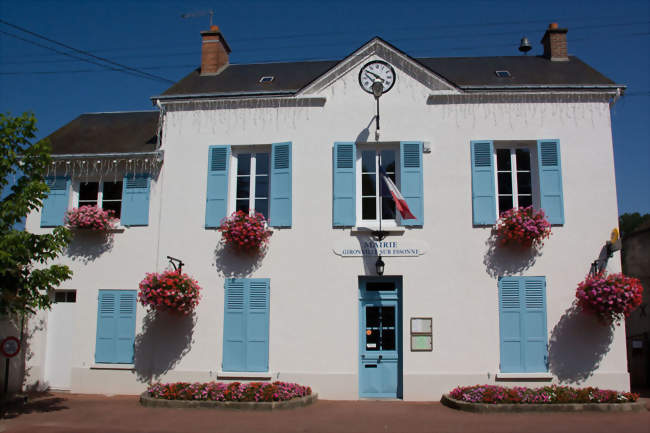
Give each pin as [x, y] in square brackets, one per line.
[72, 413]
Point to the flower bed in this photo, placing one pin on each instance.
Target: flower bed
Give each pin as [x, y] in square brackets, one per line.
[524, 226]
[553, 394]
[609, 297]
[232, 392]
[169, 291]
[244, 232]
[90, 217]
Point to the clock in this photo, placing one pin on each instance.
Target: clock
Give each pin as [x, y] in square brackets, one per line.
[376, 70]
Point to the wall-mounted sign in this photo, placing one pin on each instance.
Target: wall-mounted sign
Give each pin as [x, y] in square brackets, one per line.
[421, 334]
[366, 247]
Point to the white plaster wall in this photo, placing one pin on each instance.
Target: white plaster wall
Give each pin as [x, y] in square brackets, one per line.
[314, 293]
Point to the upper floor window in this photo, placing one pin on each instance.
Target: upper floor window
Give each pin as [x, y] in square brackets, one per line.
[251, 181]
[513, 174]
[516, 185]
[373, 197]
[105, 195]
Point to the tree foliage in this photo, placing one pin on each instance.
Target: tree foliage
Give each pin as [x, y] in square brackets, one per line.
[628, 222]
[25, 277]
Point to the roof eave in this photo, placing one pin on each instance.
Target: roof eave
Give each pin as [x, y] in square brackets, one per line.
[581, 87]
[224, 95]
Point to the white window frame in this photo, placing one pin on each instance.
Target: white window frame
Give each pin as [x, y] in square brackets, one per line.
[531, 146]
[377, 147]
[76, 191]
[232, 182]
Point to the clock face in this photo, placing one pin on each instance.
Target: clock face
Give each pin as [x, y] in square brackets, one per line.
[377, 70]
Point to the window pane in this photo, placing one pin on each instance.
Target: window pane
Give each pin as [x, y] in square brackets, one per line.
[523, 159]
[388, 317]
[88, 192]
[388, 160]
[505, 203]
[368, 184]
[242, 205]
[505, 183]
[243, 187]
[115, 206]
[503, 159]
[524, 183]
[379, 286]
[261, 186]
[388, 339]
[261, 163]
[388, 208]
[72, 296]
[368, 208]
[372, 317]
[525, 200]
[372, 339]
[368, 159]
[112, 191]
[59, 296]
[244, 163]
[262, 206]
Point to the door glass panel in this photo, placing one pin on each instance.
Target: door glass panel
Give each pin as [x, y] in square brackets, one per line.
[388, 317]
[372, 317]
[388, 339]
[380, 328]
[379, 286]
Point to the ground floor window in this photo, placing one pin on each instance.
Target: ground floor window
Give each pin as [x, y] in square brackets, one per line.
[522, 325]
[246, 325]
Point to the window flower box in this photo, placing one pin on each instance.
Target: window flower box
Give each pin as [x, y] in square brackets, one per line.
[244, 232]
[90, 218]
[609, 297]
[169, 291]
[524, 226]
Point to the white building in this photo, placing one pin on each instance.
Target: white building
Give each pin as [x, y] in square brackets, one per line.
[464, 138]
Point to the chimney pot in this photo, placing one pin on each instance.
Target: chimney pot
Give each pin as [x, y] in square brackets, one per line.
[555, 45]
[214, 51]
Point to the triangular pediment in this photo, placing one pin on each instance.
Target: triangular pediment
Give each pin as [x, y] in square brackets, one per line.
[382, 49]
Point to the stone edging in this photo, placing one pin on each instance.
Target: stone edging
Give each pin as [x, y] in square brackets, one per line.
[559, 407]
[148, 401]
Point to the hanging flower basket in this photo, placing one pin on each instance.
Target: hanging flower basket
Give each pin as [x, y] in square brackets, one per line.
[244, 232]
[90, 218]
[609, 297]
[169, 291]
[524, 226]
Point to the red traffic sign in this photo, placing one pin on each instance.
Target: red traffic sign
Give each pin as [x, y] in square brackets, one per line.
[10, 347]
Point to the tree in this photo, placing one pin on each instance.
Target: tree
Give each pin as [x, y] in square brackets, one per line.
[25, 277]
[628, 222]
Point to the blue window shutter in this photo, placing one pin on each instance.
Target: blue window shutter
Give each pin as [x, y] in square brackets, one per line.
[115, 326]
[535, 344]
[257, 325]
[216, 204]
[511, 325]
[344, 208]
[56, 203]
[280, 215]
[411, 184]
[234, 325]
[484, 205]
[550, 180]
[135, 200]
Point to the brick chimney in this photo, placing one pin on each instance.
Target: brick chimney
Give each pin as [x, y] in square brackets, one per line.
[554, 42]
[214, 51]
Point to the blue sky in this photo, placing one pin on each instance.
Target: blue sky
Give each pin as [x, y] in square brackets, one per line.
[151, 36]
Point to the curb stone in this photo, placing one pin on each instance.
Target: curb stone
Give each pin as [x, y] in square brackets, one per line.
[559, 407]
[148, 401]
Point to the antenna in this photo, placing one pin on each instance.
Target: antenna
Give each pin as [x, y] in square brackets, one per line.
[199, 14]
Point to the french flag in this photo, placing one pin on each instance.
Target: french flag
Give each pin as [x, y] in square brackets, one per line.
[400, 202]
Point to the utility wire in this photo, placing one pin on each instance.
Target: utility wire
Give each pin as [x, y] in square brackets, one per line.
[86, 53]
[73, 56]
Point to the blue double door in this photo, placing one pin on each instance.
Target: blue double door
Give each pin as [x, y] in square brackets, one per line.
[380, 336]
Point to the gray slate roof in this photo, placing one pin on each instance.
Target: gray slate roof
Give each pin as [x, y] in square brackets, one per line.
[96, 133]
[467, 73]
